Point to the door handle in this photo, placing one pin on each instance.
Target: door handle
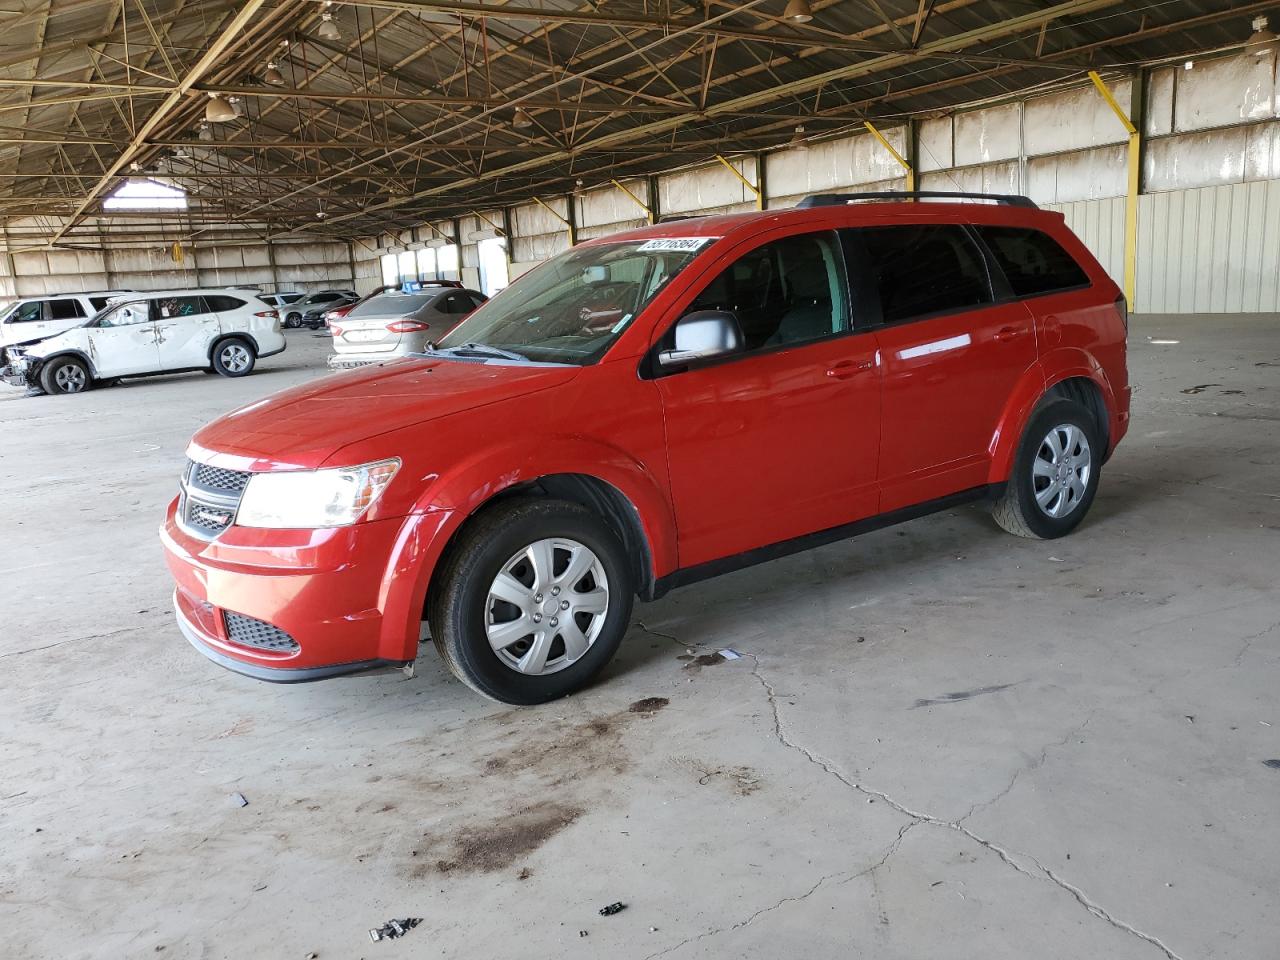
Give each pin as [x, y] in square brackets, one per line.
[1008, 334]
[846, 369]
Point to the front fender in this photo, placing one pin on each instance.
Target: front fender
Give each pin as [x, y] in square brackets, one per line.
[451, 499]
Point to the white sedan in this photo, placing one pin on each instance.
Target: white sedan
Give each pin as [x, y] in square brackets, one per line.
[221, 331]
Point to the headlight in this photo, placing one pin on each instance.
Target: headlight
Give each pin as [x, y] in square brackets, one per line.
[304, 499]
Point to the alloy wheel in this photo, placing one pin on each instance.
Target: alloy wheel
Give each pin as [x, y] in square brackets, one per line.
[235, 358]
[546, 606]
[69, 378]
[1061, 470]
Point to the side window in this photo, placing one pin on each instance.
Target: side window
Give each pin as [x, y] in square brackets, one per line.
[179, 307]
[28, 312]
[786, 292]
[126, 314]
[476, 299]
[65, 310]
[221, 302]
[98, 302]
[455, 303]
[924, 269]
[1033, 262]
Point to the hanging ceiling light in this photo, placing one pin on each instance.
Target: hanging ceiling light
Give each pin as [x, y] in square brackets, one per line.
[797, 141]
[798, 11]
[237, 106]
[218, 110]
[205, 132]
[328, 29]
[1263, 41]
[521, 120]
[135, 173]
[181, 154]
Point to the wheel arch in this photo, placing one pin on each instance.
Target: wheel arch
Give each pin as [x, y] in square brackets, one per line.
[222, 338]
[1070, 373]
[66, 352]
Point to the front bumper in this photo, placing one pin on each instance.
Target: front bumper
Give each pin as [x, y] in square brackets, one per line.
[211, 648]
[347, 596]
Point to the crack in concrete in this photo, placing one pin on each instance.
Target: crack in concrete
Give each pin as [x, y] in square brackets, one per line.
[847, 877]
[1004, 854]
[1249, 641]
[1034, 765]
[63, 643]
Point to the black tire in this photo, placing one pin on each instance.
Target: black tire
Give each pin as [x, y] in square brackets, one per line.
[63, 375]
[234, 357]
[457, 613]
[1017, 511]
[293, 320]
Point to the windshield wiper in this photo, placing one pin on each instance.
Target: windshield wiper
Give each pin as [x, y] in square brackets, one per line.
[480, 349]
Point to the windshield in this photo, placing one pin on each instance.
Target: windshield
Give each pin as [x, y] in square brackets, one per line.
[391, 305]
[573, 307]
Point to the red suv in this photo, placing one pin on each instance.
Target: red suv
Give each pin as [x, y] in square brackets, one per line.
[641, 412]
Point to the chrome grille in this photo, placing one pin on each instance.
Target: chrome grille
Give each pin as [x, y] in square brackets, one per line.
[210, 498]
[205, 517]
[249, 632]
[215, 478]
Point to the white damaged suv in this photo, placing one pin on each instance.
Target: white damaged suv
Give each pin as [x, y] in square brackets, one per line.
[222, 331]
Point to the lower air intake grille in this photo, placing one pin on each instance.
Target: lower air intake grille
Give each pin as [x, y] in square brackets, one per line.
[249, 632]
[204, 517]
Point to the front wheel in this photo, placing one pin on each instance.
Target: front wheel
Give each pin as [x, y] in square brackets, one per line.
[533, 602]
[293, 320]
[1055, 473]
[65, 375]
[234, 358]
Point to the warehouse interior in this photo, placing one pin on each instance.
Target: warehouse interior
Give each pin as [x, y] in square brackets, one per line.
[929, 741]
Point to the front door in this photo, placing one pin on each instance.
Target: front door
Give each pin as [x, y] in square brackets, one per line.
[951, 357]
[781, 439]
[123, 340]
[185, 327]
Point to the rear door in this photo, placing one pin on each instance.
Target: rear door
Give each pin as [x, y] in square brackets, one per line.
[123, 340]
[185, 327]
[951, 355]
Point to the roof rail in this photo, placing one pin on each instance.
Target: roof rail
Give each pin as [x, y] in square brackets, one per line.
[673, 217]
[838, 199]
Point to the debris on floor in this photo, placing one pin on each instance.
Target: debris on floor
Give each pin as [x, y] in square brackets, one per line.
[393, 929]
[730, 654]
[239, 800]
[648, 706]
[612, 908]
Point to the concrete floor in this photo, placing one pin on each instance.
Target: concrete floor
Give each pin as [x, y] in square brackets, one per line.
[941, 741]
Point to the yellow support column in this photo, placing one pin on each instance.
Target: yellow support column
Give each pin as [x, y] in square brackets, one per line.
[1135, 185]
[911, 174]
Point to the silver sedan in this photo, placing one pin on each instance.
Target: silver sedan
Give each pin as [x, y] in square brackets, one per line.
[396, 324]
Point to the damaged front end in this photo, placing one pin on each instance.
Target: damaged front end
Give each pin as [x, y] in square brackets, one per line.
[17, 369]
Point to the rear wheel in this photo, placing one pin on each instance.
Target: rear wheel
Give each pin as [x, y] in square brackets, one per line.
[65, 375]
[234, 357]
[1055, 473]
[533, 601]
[293, 320]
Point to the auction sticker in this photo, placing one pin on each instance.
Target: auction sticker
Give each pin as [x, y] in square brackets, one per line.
[677, 244]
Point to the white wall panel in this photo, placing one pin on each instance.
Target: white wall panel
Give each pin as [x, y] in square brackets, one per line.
[935, 142]
[1215, 93]
[1074, 120]
[1085, 175]
[982, 136]
[1211, 250]
[710, 189]
[850, 162]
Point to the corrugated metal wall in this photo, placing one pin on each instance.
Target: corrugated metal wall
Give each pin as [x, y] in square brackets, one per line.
[1211, 250]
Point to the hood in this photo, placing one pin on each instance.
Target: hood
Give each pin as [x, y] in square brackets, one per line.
[302, 427]
[40, 346]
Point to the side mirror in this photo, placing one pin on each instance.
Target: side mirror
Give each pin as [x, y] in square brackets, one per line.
[703, 335]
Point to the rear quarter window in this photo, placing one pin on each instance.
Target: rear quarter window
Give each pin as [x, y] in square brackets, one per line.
[221, 302]
[1033, 262]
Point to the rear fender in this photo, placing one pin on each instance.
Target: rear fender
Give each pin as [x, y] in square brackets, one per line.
[1057, 365]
